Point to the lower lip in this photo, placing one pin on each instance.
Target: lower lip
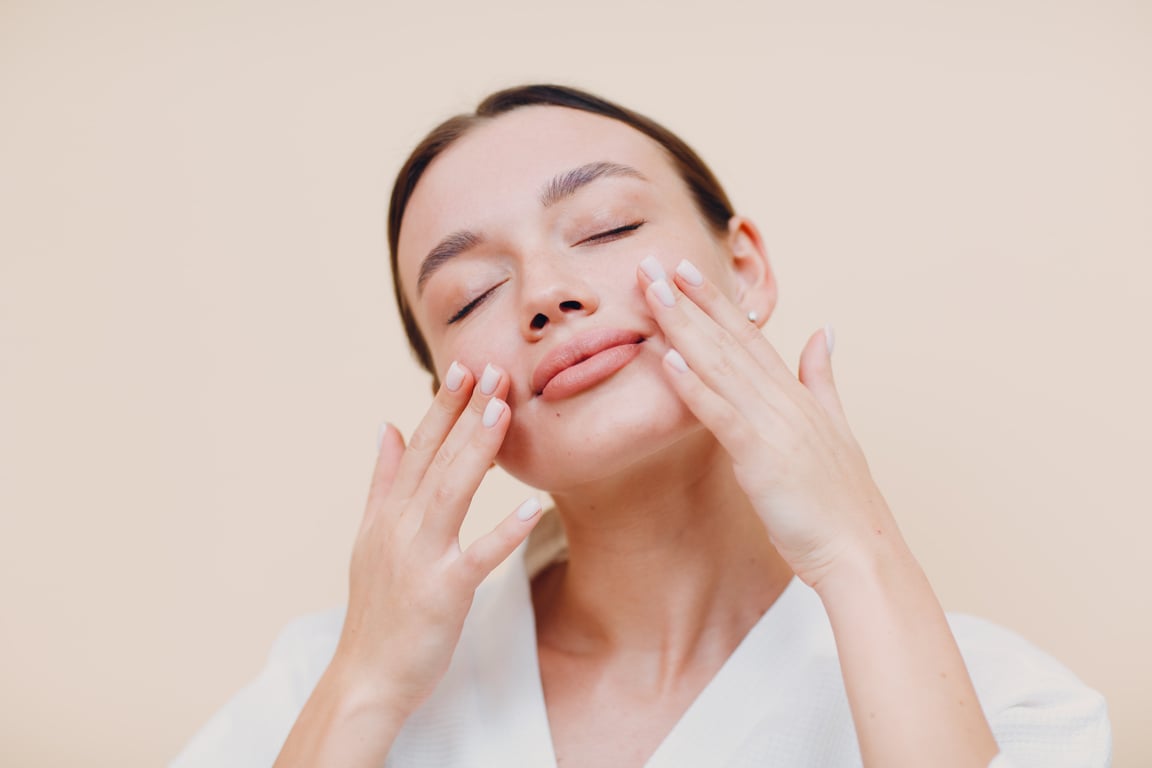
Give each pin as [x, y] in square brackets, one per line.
[588, 373]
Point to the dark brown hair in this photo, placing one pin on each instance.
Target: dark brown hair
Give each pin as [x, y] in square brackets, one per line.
[709, 196]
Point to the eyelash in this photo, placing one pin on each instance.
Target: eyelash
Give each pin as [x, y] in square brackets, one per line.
[613, 234]
[602, 237]
[465, 310]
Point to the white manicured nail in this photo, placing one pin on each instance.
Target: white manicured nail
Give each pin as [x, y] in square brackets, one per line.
[454, 377]
[493, 411]
[830, 338]
[380, 430]
[529, 509]
[489, 380]
[688, 271]
[676, 360]
[663, 292]
[653, 268]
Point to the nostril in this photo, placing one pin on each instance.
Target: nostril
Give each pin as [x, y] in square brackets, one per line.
[539, 321]
[570, 305]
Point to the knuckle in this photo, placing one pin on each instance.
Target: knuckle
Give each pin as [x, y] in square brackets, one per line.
[443, 495]
[731, 422]
[421, 440]
[471, 566]
[748, 334]
[721, 366]
[444, 457]
[448, 403]
[478, 403]
[728, 344]
[471, 560]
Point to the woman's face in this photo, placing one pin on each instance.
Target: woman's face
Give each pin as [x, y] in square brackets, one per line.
[519, 248]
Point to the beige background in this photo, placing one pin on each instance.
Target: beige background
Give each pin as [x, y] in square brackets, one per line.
[197, 339]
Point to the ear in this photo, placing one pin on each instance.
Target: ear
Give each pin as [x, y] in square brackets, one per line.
[756, 283]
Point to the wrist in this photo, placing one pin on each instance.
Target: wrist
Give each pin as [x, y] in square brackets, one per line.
[872, 563]
[355, 693]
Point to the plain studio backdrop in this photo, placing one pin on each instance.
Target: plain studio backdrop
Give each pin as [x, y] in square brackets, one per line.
[198, 339]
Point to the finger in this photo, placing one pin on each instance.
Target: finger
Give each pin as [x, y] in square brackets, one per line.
[816, 374]
[391, 450]
[715, 355]
[707, 295]
[459, 466]
[447, 405]
[487, 552]
[719, 416]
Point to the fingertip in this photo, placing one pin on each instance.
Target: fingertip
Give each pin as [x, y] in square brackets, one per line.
[815, 360]
[489, 379]
[690, 273]
[455, 375]
[652, 269]
[528, 509]
[387, 435]
[675, 361]
[493, 411]
[662, 291]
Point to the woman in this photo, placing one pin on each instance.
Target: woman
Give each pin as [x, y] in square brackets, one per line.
[720, 582]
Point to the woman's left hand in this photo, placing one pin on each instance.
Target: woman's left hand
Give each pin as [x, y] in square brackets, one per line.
[791, 447]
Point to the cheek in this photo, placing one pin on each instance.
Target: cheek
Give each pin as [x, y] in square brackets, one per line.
[475, 345]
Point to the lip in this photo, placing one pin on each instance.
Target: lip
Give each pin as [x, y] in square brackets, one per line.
[584, 361]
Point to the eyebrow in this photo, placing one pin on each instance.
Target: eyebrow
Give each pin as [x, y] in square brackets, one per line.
[566, 184]
[446, 250]
[560, 187]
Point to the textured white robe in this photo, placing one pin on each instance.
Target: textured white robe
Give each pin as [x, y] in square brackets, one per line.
[778, 701]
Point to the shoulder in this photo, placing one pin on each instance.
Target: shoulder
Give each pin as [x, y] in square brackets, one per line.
[1040, 712]
[252, 726]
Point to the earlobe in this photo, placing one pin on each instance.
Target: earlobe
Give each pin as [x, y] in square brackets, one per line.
[754, 276]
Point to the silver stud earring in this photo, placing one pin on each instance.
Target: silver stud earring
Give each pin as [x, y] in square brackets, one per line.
[753, 317]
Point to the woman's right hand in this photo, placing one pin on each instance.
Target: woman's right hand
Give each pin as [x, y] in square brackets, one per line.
[411, 585]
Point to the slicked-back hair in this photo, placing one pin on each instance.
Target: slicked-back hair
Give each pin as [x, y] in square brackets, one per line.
[709, 197]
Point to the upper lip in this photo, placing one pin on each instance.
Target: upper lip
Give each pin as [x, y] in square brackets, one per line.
[578, 349]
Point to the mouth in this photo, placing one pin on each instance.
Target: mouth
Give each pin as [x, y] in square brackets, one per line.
[584, 361]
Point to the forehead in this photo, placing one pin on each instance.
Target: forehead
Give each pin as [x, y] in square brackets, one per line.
[492, 176]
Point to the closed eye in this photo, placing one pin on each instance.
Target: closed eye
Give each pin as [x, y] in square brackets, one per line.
[465, 310]
[612, 234]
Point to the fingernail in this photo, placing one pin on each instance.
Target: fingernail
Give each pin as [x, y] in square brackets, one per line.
[663, 292]
[676, 360]
[688, 271]
[653, 268]
[529, 509]
[454, 377]
[489, 380]
[493, 411]
[830, 338]
[380, 430]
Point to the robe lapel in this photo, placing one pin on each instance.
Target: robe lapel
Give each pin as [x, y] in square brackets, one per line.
[740, 696]
[510, 696]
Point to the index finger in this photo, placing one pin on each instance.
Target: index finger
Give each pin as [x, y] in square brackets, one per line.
[708, 297]
[447, 405]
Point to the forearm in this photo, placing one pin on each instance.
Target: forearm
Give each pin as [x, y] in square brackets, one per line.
[341, 724]
[912, 700]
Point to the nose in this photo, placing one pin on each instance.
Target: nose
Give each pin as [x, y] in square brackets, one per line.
[554, 294]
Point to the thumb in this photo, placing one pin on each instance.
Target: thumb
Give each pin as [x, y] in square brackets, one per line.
[816, 373]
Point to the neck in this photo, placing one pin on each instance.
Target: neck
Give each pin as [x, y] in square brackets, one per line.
[671, 559]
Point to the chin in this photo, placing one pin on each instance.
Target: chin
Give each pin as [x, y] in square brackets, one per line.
[597, 434]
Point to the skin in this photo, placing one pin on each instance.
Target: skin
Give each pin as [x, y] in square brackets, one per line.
[691, 489]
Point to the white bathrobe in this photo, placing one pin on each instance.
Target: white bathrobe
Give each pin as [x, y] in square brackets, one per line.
[778, 701]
